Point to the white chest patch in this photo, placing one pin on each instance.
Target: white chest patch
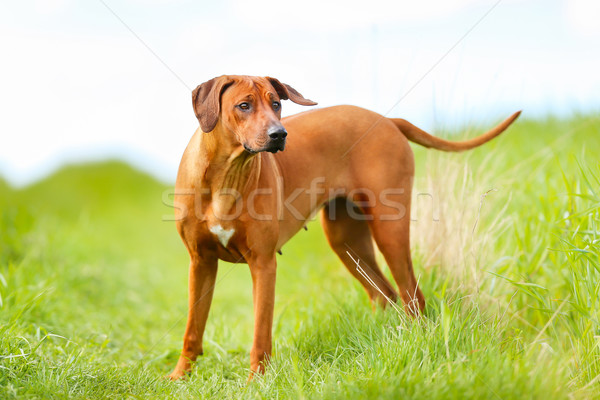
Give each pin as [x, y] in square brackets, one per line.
[222, 234]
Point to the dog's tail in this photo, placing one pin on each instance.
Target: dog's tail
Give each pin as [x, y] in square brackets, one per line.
[419, 136]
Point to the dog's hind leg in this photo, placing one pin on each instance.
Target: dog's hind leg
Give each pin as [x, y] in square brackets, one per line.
[390, 226]
[348, 234]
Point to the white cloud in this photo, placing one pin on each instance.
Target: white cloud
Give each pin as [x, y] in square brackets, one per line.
[342, 14]
[584, 16]
[48, 7]
[67, 97]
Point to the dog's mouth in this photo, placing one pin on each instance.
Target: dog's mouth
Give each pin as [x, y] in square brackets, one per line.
[251, 151]
[272, 147]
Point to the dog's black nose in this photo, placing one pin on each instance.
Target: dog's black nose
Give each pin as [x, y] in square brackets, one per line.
[278, 133]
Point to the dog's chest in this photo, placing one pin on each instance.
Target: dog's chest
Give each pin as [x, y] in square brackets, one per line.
[221, 216]
[221, 233]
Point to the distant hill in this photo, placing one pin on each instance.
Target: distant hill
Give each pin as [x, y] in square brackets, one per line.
[4, 187]
[5, 192]
[95, 186]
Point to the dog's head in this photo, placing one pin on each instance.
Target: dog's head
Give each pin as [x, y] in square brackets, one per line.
[247, 109]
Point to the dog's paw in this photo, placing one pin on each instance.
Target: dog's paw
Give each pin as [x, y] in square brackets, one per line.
[176, 376]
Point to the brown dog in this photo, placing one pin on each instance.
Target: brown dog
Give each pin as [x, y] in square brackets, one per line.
[238, 201]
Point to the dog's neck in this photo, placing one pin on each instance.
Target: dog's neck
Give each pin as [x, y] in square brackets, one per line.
[231, 171]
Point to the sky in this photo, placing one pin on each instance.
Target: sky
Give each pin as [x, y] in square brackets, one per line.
[99, 79]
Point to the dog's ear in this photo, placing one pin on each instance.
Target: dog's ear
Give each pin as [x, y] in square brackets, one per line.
[286, 92]
[206, 99]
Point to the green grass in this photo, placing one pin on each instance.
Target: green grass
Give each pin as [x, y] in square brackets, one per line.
[93, 288]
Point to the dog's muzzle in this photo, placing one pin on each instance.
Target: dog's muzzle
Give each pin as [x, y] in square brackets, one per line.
[276, 140]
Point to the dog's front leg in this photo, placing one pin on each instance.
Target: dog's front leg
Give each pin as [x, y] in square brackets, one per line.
[263, 271]
[202, 276]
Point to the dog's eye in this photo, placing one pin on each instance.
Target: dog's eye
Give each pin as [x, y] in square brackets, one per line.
[276, 105]
[244, 106]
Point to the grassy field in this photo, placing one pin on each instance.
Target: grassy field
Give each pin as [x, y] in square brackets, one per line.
[93, 287]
